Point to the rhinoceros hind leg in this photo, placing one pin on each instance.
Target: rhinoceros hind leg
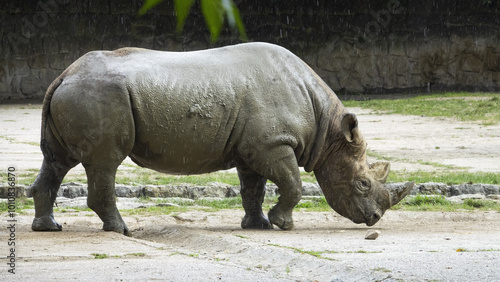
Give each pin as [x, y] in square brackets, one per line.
[44, 191]
[101, 197]
[252, 194]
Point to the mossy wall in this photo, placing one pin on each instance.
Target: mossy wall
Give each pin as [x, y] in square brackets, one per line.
[359, 46]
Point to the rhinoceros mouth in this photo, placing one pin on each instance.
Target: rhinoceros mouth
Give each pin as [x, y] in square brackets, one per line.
[372, 219]
[372, 216]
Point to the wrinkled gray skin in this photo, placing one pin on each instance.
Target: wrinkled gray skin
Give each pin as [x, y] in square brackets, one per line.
[255, 106]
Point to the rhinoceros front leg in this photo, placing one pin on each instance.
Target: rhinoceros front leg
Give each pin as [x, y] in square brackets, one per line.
[280, 166]
[101, 197]
[44, 191]
[253, 187]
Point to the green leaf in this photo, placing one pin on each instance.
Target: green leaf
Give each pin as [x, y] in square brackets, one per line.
[214, 16]
[239, 23]
[182, 8]
[148, 5]
[214, 12]
[227, 5]
[234, 18]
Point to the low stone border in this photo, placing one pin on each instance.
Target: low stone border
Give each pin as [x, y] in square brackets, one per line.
[222, 190]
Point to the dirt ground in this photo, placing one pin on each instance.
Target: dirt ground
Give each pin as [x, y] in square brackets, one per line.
[202, 246]
[211, 246]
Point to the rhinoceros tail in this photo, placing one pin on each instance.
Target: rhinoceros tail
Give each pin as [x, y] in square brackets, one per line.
[46, 120]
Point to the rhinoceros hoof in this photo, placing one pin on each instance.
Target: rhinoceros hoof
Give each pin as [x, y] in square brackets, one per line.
[280, 219]
[256, 222]
[116, 227]
[45, 223]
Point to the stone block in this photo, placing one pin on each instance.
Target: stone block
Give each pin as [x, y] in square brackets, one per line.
[127, 191]
[311, 189]
[60, 61]
[166, 191]
[367, 67]
[471, 63]
[330, 64]
[62, 25]
[396, 48]
[354, 85]
[111, 42]
[73, 190]
[99, 7]
[46, 77]
[432, 188]
[30, 85]
[18, 66]
[4, 72]
[165, 25]
[492, 61]
[125, 7]
[5, 190]
[66, 46]
[143, 31]
[38, 61]
[483, 189]
[49, 45]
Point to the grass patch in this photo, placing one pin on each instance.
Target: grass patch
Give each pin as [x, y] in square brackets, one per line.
[480, 107]
[382, 269]
[425, 203]
[313, 204]
[448, 178]
[100, 256]
[146, 176]
[21, 204]
[423, 200]
[481, 204]
[26, 177]
[301, 251]
[440, 203]
[71, 209]
[365, 252]
[137, 254]
[477, 251]
[218, 204]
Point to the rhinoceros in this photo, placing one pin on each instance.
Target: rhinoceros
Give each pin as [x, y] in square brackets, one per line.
[253, 106]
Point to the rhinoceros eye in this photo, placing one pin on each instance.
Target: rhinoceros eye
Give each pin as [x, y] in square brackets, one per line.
[363, 185]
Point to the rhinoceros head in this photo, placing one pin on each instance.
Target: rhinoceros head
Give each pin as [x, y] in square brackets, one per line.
[352, 187]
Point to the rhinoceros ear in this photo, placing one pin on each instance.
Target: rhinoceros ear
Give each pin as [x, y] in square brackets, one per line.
[349, 126]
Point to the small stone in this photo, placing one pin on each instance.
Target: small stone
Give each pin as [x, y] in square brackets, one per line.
[372, 234]
[167, 205]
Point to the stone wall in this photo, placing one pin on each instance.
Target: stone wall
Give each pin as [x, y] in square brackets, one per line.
[223, 190]
[359, 46]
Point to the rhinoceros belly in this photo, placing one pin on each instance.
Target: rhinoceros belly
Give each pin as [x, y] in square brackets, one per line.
[184, 133]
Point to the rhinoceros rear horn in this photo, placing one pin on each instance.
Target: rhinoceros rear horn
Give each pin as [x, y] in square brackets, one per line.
[380, 171]
[398, 191]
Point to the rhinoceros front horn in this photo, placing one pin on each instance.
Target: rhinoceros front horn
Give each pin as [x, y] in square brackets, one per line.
[398, 191]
